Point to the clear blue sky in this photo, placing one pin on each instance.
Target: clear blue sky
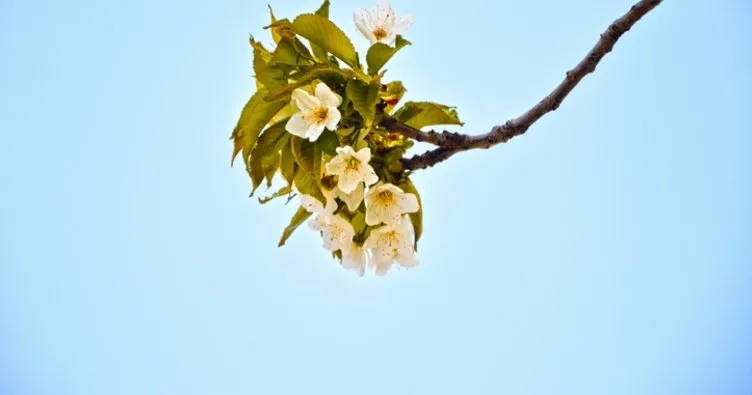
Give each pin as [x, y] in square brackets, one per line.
[607, 251]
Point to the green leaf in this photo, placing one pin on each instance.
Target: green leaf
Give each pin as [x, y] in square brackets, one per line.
[265, 158]
[287, 165]
[358, 222]
[380, 53]
[276, 36]
[327, 73]
[344, 132]
[255, 115]
[290, 52]
[307, 184]
[364, 98]
[300, 216]
[284, 191]
[270, 76]
[324, 33]
[417, 217]
[324, 9]
[421, 114]
[302, 150]
[318, 52]
[328, 142]
[317, 162]
[257, 46]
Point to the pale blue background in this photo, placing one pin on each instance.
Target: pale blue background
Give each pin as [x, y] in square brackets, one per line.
[608, 251]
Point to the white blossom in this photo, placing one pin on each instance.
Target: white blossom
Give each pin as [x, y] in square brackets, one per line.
[351, 168]
[355, 257]
[390, 244]
[336, 231]
[315, 112]
[380, 24]
[386, 203]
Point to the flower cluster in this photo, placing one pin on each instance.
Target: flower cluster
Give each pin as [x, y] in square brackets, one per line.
[391, 237]
[315, 120]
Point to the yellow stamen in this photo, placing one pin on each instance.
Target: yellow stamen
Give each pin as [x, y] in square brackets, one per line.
[386, 198]
[379, 33]
[321, 114]
[352, 164]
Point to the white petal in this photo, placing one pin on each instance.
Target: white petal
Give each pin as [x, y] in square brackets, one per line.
[392, 215]
[405, 227]
[382, 255]
[304, 101]
[384, 10]
[333, 118]
[408, 203]
[345, 226]
[317, 222]
[311, 204]
[354, 258]
[348, 181]
[407, 259]
[364, 154]
[383, 268]
[336, 166]
[330, 243]
[370, 176]
[326, 96]
[331, 205]
[375, 214]
[314, 131]
[346, 150]
[363, 22]
[352, 200]
[402, 23]
[297, 125]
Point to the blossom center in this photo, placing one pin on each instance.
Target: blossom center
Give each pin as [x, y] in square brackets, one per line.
[320, 115]
[380, 33]
[386, 198]
[352, 165]
[391, 240]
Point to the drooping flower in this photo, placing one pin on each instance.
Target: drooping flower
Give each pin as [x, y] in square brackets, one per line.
[380, 24]
[354, 198]
[336, 231]
[315, 112]
[352, 168]
[355, 258]
[389, 244]
[386, 203]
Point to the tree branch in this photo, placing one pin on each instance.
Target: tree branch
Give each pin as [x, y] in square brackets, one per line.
[451, 143]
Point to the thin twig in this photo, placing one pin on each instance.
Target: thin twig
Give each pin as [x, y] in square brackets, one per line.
[451, 143]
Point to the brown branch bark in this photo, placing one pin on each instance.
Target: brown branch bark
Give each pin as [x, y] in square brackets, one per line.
[451, 143]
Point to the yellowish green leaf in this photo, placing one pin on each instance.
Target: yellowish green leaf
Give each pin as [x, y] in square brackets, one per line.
[364, 98]
[303, 151]
[307, 184]
[284, 191]
[255, 115]
[265, 156]
[380, 53]
[421, 114]
[300, 216]
[328, 142]
[287, 165]
[327, 73]
[322, 32]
